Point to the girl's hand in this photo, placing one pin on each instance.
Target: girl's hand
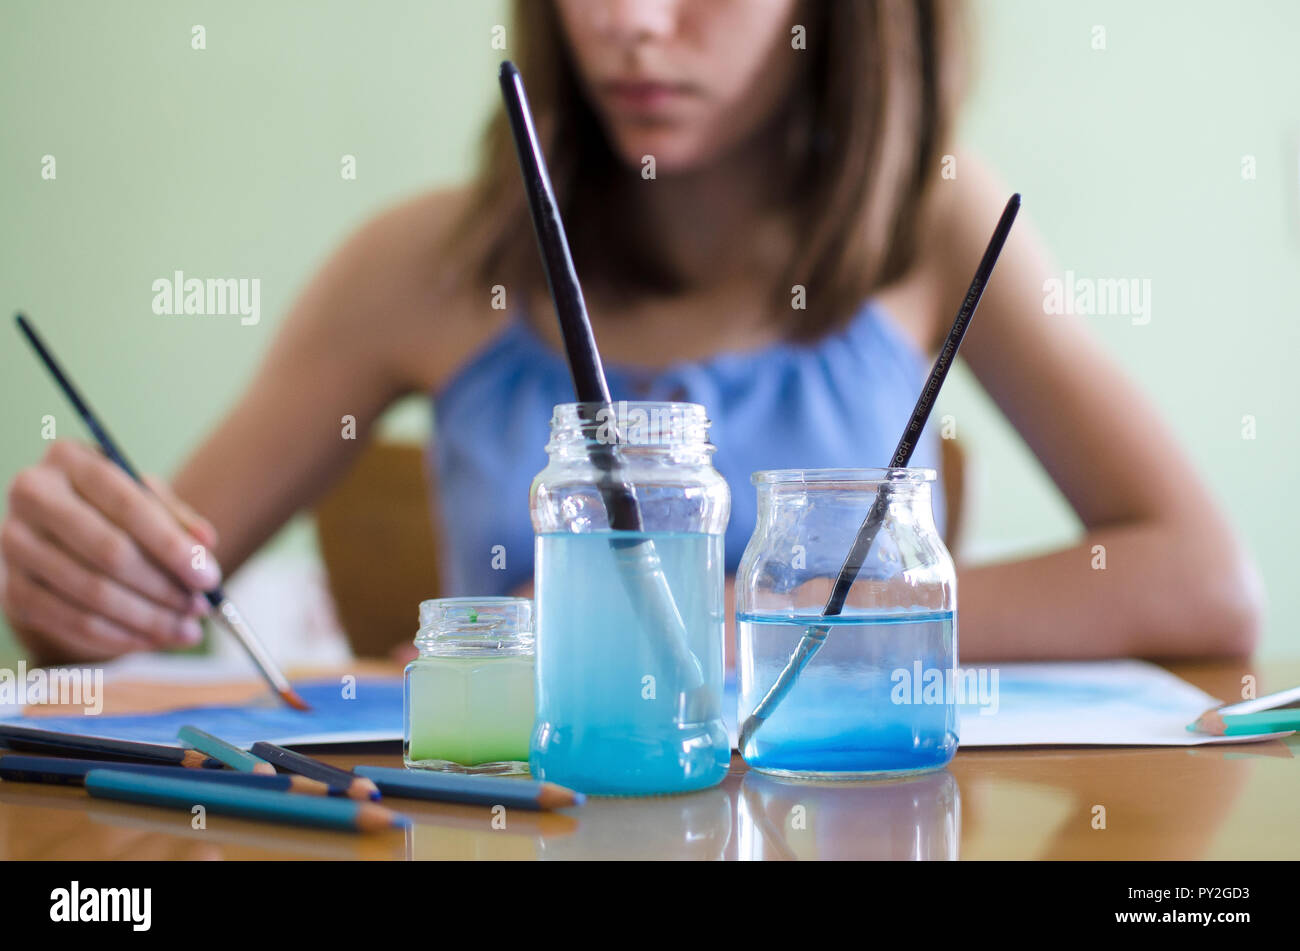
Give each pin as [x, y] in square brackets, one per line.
[93, 565]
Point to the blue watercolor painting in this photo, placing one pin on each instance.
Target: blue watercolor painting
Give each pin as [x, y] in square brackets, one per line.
[375, 713]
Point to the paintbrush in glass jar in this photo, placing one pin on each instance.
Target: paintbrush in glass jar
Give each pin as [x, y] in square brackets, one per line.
[639, 564]
[815, 635]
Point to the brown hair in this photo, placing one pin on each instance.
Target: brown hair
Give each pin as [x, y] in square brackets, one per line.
[875, 105]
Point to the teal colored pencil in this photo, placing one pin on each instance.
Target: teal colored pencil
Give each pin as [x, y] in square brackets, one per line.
[229, 754]
[319, 811]
[1243, 724]
[480, 790]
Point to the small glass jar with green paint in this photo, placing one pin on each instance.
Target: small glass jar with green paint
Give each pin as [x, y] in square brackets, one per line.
[469, 694]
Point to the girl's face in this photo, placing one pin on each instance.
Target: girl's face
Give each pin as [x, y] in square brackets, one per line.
[681, 80]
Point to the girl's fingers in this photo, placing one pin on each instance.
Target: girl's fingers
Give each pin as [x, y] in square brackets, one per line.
[190, 520]
[69, 629]
[95, 593]
[48, 504]
[142, 517]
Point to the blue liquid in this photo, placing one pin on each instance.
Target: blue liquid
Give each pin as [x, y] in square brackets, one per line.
[862, 706]
[628, 704]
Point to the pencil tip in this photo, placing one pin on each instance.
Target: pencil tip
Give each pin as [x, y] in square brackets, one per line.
[1210, 722]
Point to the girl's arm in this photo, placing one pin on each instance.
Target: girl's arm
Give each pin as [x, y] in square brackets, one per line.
[1176, 581]
[92, 566]
[375, 323]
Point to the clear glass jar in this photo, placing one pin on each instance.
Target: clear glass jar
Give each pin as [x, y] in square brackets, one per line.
[630, 621]
[469, 694]
[877, 697]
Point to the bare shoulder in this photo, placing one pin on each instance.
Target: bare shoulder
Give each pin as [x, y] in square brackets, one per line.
[952, 237]
[396, 281]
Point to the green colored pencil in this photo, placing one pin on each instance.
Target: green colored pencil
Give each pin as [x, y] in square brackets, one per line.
[1242, 724]
[229, 754]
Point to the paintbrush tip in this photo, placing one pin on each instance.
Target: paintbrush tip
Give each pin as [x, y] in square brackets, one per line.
[292, 699]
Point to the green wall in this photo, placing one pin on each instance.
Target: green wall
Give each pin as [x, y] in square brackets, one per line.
[226, 161]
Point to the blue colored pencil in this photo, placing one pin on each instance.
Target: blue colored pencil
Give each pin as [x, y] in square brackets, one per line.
[65, 771]
[228, 753]
[478, 790]
[321, 812]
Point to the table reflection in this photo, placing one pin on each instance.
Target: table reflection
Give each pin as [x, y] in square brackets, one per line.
[910, 819]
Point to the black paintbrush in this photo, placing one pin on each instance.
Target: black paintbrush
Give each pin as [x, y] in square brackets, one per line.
[589, 384]
[225, 609]
[639, 564]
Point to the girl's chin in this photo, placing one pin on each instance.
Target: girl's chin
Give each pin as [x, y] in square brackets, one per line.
[675, 149]
[653, 156]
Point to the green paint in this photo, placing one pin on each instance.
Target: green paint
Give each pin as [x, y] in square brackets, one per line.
[469, 710]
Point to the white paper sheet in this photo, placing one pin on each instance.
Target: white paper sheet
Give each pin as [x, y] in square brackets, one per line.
[1102, 703]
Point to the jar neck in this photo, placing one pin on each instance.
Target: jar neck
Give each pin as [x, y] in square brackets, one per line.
[906, 500]
[457, 645]
[647, 430]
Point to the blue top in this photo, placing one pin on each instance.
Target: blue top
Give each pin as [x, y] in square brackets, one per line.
[839, 402]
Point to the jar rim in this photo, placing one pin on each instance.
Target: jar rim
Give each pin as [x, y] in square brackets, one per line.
[516, 610]
[896, 476]
[572, 407]
[484, 599]
[634, 424]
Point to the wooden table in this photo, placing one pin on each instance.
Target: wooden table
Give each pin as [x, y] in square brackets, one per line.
[1179, 803]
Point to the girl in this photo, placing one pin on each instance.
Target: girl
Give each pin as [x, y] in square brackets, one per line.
[754, 193]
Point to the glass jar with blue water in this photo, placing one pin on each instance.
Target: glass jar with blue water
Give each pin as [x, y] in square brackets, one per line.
[867, 691]
[629, 514]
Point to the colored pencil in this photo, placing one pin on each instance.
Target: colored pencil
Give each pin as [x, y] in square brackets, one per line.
[33, 740]
[1216, 723]
[322, 812]
[815, 635]
[229, 754]
[63, 771]
[358, 787]
[225, 610]
[1272, 701]
[480, 790]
